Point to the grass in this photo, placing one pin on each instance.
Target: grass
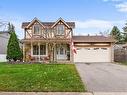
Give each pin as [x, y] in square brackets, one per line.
[40, 77]
[123, 63]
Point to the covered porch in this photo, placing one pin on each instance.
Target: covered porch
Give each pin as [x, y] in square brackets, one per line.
[42, 51]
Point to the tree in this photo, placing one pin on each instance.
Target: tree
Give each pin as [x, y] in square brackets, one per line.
[13, 49]
[125, 32]
[125, 27]
[105, 33]
[116, 34]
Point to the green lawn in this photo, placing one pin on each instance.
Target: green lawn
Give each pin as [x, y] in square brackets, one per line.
[123, 63]
[40, 77]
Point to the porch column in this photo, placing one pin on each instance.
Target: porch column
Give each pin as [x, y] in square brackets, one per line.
[23, 52]
[55, 59]
[39, 51]
[47, 49]
[31, 49]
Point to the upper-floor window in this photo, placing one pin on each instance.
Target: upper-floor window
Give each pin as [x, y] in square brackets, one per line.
[37, 29]
[60, 29]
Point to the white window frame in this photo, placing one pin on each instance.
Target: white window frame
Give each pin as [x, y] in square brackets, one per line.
[32, 49]
[45, 49]
[60, 29]
[39, 27]
[96, 48]
[104, 48]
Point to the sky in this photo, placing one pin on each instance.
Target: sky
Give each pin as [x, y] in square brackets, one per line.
[90, 16]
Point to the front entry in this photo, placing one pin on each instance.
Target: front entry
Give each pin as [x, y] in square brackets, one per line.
[61, 53]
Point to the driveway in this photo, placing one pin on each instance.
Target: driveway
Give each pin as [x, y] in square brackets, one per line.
[103, 77]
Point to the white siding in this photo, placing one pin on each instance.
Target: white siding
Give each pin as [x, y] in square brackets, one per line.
[3, 58]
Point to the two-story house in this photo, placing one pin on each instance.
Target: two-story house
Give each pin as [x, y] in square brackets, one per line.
[53, 41]
[47, 40]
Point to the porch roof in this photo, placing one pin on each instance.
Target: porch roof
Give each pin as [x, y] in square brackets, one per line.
[46, 40]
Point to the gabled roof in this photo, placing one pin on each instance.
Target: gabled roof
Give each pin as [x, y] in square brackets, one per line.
[35, 19]
[92, 39]
[60, 19]
[48, 24]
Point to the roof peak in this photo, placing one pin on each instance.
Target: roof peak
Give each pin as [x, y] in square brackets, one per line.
[51, 24]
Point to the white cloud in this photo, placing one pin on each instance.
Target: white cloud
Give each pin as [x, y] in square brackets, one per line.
[112, 0]
[95, 26]
[122, 7]
[16, 20]
[17, 23]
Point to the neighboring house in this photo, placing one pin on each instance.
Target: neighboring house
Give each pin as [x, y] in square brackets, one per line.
[53, 41]
[4, 37]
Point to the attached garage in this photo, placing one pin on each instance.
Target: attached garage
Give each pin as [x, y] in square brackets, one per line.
[93, 49]
[93, 54]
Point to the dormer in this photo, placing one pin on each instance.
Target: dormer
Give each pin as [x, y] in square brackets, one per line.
[60, 29]
[37, 29]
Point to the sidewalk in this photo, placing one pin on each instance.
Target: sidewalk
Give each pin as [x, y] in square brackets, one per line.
[45, 93]
[63, 93]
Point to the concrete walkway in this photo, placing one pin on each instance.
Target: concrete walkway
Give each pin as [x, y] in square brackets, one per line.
[103, 77]
[44, 93]
[63, 93]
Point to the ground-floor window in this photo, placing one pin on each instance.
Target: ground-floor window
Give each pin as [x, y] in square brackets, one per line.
[42, 49]
[36, 49]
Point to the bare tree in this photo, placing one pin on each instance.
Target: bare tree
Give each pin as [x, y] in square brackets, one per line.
[105, 33]
[3, 25]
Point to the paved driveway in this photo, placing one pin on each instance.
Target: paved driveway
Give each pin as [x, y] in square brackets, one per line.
[103, 76]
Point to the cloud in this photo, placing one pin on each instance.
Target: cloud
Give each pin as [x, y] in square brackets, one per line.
[94, 26]
[96, 23]
[16, 20]
[122, 7]
[112, 0]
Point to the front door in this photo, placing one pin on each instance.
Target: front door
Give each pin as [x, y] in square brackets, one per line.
[61, 53]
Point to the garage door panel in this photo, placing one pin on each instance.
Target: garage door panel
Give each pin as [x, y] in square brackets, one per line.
[93, 55]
